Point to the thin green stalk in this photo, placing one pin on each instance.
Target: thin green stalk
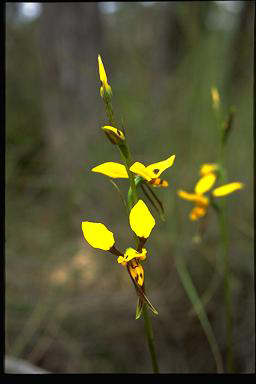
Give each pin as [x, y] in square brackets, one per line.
[221, 212]
[199, 309]
[209, 292]
[194, 297]
[132, 199]
[126, 157]
[227, 289]
[125, 154]
[150, 338]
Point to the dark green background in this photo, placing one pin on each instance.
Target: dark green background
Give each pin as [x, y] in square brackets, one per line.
[71, 308]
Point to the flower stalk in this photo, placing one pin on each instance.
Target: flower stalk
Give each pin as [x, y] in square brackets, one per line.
[224, 128]
[118, 138]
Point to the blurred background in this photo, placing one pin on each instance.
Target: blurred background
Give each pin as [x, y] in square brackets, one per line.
[69, 307]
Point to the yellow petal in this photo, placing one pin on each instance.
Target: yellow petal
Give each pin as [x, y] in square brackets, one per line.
[208, 168]
[103, 76]
[137, 272]
[157, 168]
[141, 220]
[97, 235]
[205, 183]
[112, 169]
[200, 200]
[196, 213]
[227, 189]
[130, 254]
[187, 196]
[141, 170]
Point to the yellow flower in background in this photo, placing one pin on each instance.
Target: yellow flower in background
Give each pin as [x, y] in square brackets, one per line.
[227, 189]
[149, 173]
[202, 186]
[208, 168]
[105, 87]
[141, 222]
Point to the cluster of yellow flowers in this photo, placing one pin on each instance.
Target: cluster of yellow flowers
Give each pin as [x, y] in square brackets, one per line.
[141, 220]
[208, 173]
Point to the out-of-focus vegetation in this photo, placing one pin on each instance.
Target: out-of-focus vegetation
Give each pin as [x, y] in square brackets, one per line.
[70, 308]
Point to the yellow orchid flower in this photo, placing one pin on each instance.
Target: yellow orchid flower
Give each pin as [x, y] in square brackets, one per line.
[202, 186]
[105, 87]
[141, 222]
[150, 173]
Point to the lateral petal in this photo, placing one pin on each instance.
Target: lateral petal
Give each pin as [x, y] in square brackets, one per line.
[227, 189]
[157, 168]
[97, 235]
[186, 195]
[112, 169]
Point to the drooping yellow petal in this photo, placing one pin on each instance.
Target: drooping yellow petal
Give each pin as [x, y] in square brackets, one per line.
[227, 189]
[186, 195]
[197, 212]
[200, 200]
[157, 168]
[130, 254]
[141, 220]
[141, 170]
[97, 235]
[205, 183]
[111, 169]
[208, 168]
[137, 272]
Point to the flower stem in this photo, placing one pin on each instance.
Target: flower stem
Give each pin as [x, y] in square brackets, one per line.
[132, 199]
[126, 157]
[150, 338]
[199, 309]
[221, 212]
[227, 290]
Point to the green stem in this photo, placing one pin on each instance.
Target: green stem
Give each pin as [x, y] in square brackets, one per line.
[194, 298]
[126, 157]
[132, 199]
[224, 240]
[227, 289]
[150, 338]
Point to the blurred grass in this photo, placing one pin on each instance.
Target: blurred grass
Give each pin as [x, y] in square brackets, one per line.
[82, 315]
